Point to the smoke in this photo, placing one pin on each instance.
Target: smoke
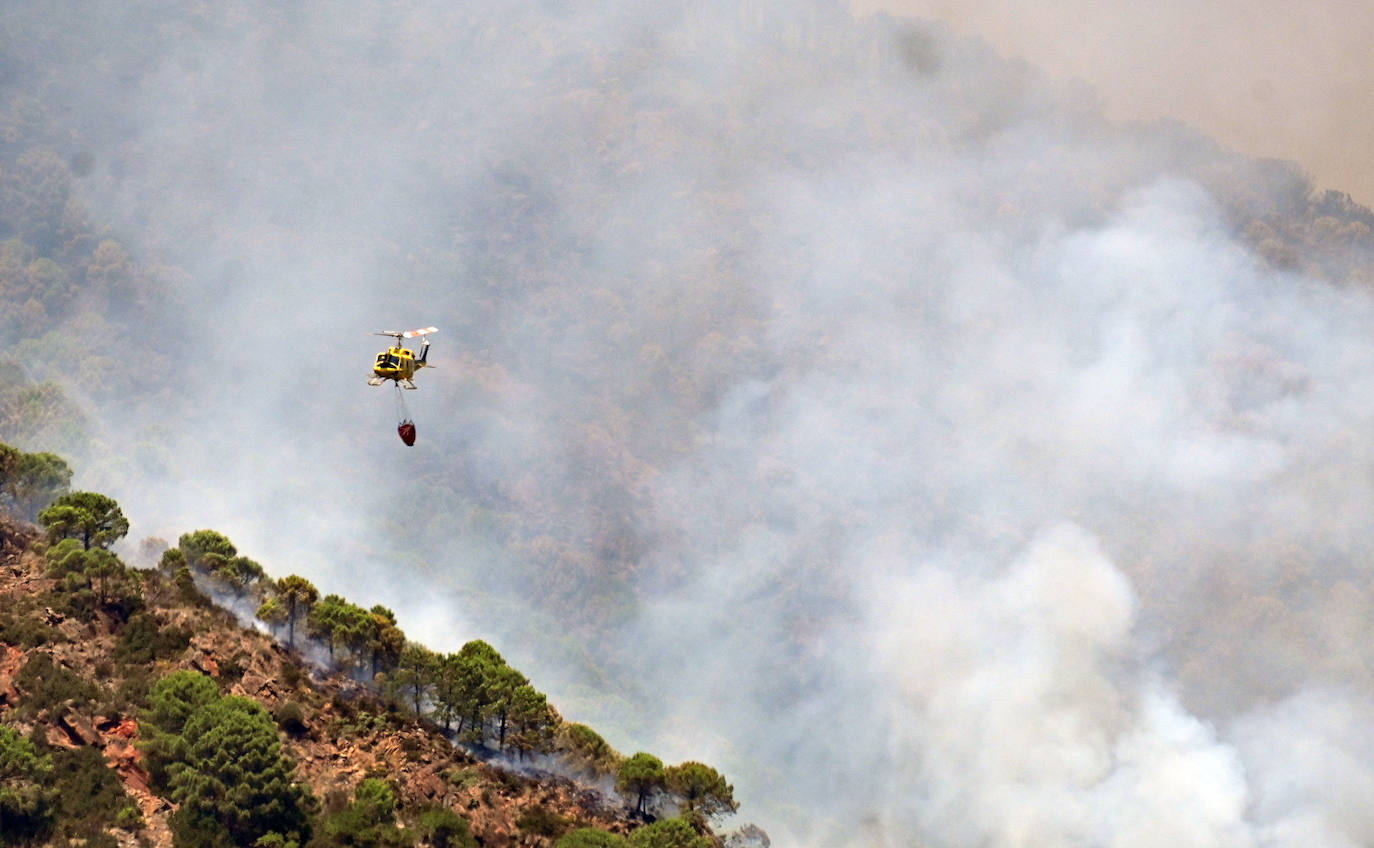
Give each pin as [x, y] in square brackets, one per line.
[1308, 757]
[1246, 74]
[826, 399]
[879, 559]
[1023, 718]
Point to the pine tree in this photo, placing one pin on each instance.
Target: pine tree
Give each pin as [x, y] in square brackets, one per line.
[299, 596]
[702, 789]
[234, 780]
[641, 775]
[93, 518]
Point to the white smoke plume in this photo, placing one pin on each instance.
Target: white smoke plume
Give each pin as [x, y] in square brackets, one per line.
[1024, 718]
[965, 675]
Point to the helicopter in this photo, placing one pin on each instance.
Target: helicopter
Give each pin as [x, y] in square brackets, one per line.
[398, 363]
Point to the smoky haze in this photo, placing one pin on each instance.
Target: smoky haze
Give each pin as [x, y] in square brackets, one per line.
[824, 398]
[1268, 79]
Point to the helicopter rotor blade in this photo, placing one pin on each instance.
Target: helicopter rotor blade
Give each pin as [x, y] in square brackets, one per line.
[410, 334]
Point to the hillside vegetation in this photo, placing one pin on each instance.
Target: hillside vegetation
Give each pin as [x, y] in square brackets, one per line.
[136, 710]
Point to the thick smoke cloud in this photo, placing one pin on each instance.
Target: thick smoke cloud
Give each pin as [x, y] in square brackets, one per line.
[828, 400]
[986, 674]
[1022, 722]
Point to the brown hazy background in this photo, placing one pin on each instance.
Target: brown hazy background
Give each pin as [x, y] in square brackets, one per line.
[1265, 77]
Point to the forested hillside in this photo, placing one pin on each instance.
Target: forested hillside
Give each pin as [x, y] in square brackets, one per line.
[136, 710]
[828, 392]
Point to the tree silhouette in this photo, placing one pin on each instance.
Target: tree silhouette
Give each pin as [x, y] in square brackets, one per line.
[272, 612]
[415, 673]
[326, 621]
[299, 596]
[641, 775]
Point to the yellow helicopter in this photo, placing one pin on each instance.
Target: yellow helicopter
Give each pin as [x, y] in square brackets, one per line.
[399, 364]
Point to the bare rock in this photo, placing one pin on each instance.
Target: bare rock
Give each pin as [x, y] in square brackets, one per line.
[80, 730]
[58, 739]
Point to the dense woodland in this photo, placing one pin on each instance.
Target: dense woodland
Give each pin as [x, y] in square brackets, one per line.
[591, 214]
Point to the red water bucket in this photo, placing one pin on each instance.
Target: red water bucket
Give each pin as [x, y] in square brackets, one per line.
[407, 432]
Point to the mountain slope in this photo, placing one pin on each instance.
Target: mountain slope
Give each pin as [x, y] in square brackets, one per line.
[76, 677]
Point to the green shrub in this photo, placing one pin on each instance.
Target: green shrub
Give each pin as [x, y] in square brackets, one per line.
[193, 827]
[443, 828]
[49, 686]
[90, 795]
[76, 601]
[291, 673]
[130, 818]
[232, 669]
[368, 821]
[668, 833]
[186, 591]
[541, 821]
[343, 706]
[26, 795]
[291, 719]
[132, 692]
[27, 631]
[591, 837]
[462, 778]
[143, 640]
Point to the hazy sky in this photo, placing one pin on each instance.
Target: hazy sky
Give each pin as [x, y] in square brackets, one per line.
[1269, 79]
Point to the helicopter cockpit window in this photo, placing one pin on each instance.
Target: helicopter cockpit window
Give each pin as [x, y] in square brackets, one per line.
[393, 362]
